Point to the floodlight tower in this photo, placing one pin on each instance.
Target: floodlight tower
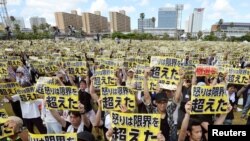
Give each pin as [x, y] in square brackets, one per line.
[4, 13]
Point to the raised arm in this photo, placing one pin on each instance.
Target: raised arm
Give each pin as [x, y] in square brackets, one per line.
[59, 119]
[85, 119]
[243, 89]
[178, 92]
[92, 89]
[98, 114]
[147, 98]
[185, 122]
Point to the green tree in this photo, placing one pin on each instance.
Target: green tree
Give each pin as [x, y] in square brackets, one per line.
[142, 16]
[165, 36]
[224, 36]
[17, 28]
[199, 34]
[189, 35]
[42, 27]
[12, 18]
[220, 22]
[153, 20]
[35, 29]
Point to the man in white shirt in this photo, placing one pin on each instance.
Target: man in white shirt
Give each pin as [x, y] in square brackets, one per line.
[31, 114]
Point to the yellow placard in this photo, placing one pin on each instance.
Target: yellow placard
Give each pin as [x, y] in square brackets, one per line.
[9, 88]
[3, 113]
[138, 127]
[115, 96]
[15, 62]
[164, 61]
[39, 86]
[53, 137]
[27, 94]
[104, 77]
[4, 130]
[77, 71]
[166, 75]
[62, 102]
[209, 99]
[61, 97]
[60, 90]
[75, 64]
[238, 76]
[3, 69]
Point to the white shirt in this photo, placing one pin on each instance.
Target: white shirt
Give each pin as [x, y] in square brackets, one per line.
[29, 109]
[46, 115]
[80, 128]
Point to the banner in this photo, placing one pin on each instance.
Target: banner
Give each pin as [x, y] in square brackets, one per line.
[5, 131]
[82, 71]
[189, 72]
[60, 90]
[75, 64]
[104, 77]
[209, 99]
[9, 88]
[61, 97]
[114, 96]
[3, 113]
[53, 137]
[135, 127]
[164, 61]
[39, 86]
[166, 75]
[238, 76]
[3, 69]
[27, 94]
[206, 71]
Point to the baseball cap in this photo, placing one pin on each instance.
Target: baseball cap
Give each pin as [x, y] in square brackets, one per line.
[86, 136]
[20, 69]
[161, 97]
[131, 70]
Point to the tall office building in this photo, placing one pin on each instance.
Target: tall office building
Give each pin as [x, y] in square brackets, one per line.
[94, 23]
[37, 21]
[119, 22]
[145, 23]
[63, 20]
[195, 20]
[170, 17]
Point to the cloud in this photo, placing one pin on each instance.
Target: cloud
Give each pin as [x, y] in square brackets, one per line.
[144, 2]
[169, 5]
[128, 9]
[99, 5]
[187, 6]
[222, 6]
[13, 2]
[47, 8]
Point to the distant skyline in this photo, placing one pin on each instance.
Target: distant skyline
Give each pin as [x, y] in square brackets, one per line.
[228, 10]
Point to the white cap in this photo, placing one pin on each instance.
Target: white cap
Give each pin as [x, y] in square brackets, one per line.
[201, 84]
[20, 69]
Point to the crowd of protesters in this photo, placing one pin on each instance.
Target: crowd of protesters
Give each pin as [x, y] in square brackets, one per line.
[91, 123]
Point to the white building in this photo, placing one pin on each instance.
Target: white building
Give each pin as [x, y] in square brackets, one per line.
[37, 21]
[195, 21]
[145, 23]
